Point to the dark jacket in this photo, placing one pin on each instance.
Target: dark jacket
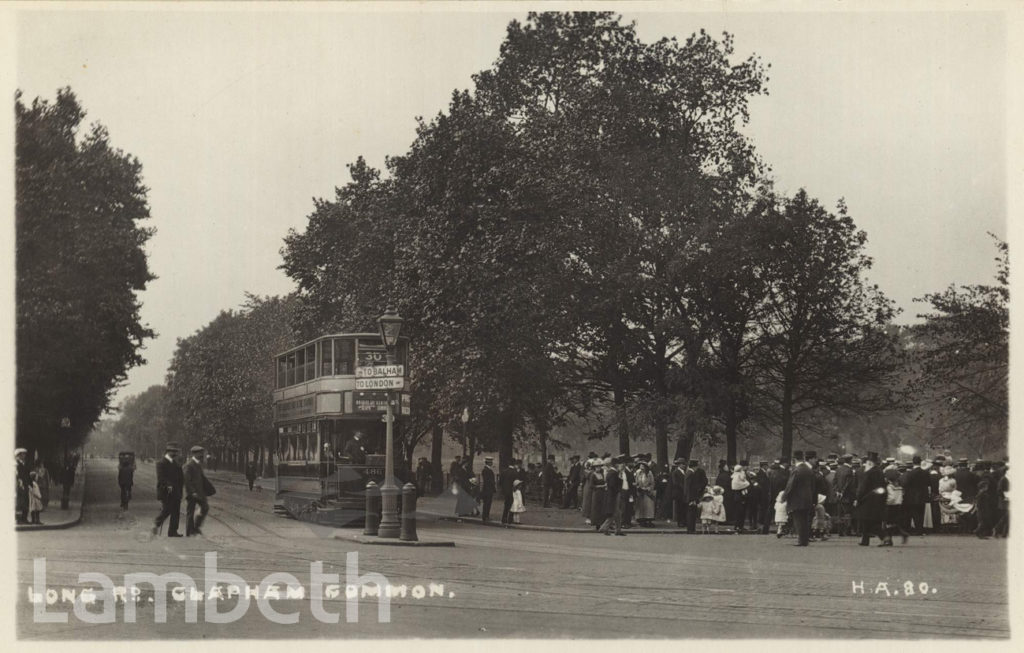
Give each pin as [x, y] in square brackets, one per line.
[967, 483]
[677, 484]
[508, 477]
[195, 479]
[250, 471]
[170, 479]
[870, 503]
[915, 486]
[695, 482]
[801, 490]
[575, 474]
[613, 485]
[487, 482]
[845, 484]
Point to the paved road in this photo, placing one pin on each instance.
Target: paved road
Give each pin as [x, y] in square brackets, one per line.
[501, 583]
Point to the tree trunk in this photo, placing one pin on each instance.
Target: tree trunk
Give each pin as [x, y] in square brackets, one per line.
[436, 471]
[661, 439]
[620, 409]
[787, 423]
[684, 445]
[731, 426]
[543, 468]
[505, 440]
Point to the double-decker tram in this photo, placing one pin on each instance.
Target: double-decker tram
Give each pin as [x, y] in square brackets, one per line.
[329, 417]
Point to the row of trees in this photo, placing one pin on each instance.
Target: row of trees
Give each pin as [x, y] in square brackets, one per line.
[80, 262]
[589, 226]
[587, 235]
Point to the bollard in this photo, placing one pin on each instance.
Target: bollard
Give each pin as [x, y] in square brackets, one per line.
[409, 513]
[372, 508]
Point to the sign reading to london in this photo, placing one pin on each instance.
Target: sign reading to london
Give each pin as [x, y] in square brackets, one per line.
[387, 383]
[378, 371]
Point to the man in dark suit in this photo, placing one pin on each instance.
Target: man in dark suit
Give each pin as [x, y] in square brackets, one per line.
[695, 483]
[869, 506]
[487, 488]
[356, 449]
[548, 477]
[800, 495]
[508, 477]
[197, 488]
[169, 483]
[765, 500]
[572, 486]
[677, 490]
[915, 496]
[846, 491]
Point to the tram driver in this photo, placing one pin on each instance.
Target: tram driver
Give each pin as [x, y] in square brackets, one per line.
[356, 449]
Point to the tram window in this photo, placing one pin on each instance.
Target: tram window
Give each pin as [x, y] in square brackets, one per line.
[291, 369]
[344, 354]
[282, 371]
[310, 362]
[326, 357]
[300, 366]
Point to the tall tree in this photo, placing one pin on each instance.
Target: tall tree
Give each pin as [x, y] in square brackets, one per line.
[826, 345]
[961, 363]
[80, 263]
[221, 379]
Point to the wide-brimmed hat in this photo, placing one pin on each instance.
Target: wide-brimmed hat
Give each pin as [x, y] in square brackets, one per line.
[172, 446]
[694, 463]
[516, 482]
[738, 468]
[196, 449]
[20, 451]
[679, 461]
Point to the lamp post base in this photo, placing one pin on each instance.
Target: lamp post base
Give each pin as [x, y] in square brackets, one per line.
[390, 526]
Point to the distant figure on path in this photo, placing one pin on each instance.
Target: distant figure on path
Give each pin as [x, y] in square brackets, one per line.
[197, 489]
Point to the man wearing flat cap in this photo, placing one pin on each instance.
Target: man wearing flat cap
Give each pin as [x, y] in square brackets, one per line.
[197, 489]
[169, 483]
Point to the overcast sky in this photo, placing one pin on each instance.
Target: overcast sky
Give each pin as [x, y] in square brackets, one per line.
[240, 118]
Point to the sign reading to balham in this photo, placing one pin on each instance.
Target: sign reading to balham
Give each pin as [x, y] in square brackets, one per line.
[379, 371]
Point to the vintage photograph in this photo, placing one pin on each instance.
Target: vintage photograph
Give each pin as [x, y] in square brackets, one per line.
[595, 321]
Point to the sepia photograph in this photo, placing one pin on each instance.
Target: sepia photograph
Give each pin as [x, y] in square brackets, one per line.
[511, 321]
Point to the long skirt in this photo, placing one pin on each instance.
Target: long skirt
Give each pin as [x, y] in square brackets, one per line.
[597, 507]
[465, 504]
[588, 497]
[644, 506]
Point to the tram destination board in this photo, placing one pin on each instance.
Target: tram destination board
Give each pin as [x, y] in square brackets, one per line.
[380, 371]
[380, 383]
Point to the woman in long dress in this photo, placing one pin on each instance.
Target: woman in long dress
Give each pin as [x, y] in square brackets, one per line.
[645, 496]
[465, 504]
[597, 500]
[588, 489]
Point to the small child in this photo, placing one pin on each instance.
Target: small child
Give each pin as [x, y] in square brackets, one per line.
[781, 515]
[821, 524]
[707, 504]
[517, 501]
[716, 511]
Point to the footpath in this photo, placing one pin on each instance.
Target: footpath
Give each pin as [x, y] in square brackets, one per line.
[53, 517]
[536, 518]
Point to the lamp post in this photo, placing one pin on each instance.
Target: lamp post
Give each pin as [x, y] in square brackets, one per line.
[390, 526]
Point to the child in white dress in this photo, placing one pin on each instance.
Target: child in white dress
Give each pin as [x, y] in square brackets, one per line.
[517, 501]
[781, 515]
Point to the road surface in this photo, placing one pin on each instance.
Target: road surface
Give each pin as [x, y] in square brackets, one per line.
[500, 583]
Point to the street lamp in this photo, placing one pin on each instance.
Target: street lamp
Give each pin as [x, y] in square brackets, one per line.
[390, 526]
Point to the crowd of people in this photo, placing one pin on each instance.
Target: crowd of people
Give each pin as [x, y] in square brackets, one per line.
[811, 498]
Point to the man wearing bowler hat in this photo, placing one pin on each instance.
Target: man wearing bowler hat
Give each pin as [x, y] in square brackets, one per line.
[695, 484]
[169, 483]
[197, 489]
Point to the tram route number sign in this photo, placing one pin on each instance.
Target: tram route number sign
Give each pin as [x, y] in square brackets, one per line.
[381, 383]
[380, 371]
